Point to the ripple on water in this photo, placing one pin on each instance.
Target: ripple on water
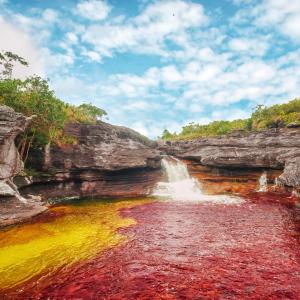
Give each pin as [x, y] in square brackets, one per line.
[179, 250]
[77, 233]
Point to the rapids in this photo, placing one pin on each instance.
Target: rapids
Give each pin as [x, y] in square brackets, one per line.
[186, 247]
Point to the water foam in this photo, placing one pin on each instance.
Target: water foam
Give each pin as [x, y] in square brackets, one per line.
[180, 186]
[263, 183]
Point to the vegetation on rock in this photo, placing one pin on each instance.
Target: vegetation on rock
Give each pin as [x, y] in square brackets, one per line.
[275, 116]
[33, 97]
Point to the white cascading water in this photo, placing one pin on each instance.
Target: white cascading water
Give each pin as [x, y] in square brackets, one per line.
[278, 183]
[180, 186]
[263, 183]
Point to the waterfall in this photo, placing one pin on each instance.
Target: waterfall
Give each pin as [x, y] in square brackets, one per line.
[278, 183]
[180, 186]
[263, 182]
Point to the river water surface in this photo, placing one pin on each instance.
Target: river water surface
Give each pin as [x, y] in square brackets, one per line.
[245, 248]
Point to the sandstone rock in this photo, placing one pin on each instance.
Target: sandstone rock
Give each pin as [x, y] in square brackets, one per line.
[11, 124]
[6, 190]
[274, 148]
[266, 149]
[293, 125]
[104, 147]
[291, 173]
[13, 207]
[107, 161]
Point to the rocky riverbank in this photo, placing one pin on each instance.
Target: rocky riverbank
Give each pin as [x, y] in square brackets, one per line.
[13, 207]
[106, 161]
[113, 161]
[270, 149]
[103, 161]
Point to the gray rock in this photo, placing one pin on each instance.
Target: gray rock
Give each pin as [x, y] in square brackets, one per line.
[11, 124]
[291, 173]
[103, 147]
[293, 125]
[6, 190]
[274, 148]
[107, 161]
[265, 149]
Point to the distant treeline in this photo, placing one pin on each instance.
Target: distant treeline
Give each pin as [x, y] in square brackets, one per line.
[33, 96]
[275, 116]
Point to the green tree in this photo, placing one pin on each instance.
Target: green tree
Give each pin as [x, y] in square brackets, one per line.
[93, 111]
[33, 96]
[8, 60]
[166, 135]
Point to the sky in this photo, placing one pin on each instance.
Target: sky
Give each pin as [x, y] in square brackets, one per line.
[159, 64]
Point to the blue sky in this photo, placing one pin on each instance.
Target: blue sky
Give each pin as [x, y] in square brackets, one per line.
[160, 64]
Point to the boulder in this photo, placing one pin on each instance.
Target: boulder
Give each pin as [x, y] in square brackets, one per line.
[291, 174]
[293, 125]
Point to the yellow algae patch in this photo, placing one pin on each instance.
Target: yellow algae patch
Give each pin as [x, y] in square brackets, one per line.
[78, 233]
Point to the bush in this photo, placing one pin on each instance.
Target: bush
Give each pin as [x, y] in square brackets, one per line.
[276, 116]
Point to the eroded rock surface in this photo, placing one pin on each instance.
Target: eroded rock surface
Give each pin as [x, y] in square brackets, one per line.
[11, 124]
[291, 173]
[104, 147]
[13, 207]
[107, 161]
[274, 148]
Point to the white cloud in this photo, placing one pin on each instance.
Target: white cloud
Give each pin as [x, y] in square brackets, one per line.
[23, 45]
[203, 73]
[74, 89]
[291, 26]
[92, 55]
[30, 36]
[72, 38]
[50, 15]
[250, 46]
[281, 14]
[148, 32]
[95, 10]
[170, 74]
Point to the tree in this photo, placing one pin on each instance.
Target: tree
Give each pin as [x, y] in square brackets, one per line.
[166, 135]
[93, 111]
[7, 60]
[33, 96]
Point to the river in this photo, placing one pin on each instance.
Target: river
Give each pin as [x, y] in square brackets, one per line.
[177, 244]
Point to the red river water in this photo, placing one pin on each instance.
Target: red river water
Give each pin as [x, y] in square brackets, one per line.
[179, 250]
[190, 245]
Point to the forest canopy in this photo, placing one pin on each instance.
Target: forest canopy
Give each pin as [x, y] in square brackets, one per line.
[275, 116]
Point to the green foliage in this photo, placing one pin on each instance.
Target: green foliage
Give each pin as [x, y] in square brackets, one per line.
[276, 116]
[167, 135]
[7, 61]
[33, 97]
[93, 111]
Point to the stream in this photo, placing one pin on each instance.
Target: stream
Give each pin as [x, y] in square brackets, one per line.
[180, 243]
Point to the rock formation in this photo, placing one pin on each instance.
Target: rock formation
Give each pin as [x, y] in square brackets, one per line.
[107, 161]
[13, 207]
[11, 124]
[274, 148]
[291, 174]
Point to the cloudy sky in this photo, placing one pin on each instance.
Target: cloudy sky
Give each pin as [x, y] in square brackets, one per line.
[160, 64]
